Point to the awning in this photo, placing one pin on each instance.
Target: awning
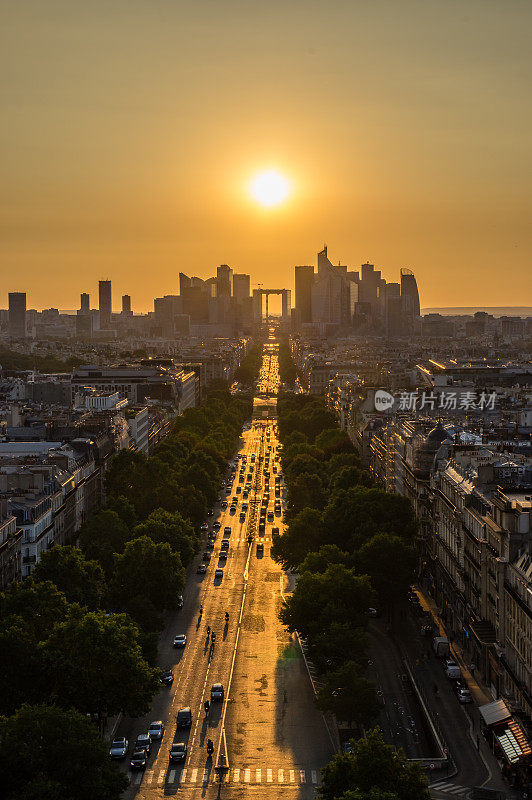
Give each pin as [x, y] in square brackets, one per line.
[493, 713]
[513, 742]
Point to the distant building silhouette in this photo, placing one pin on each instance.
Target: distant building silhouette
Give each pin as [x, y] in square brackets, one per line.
[104, 304]
[85, 303]
[126, 305]
[17, 314]
[304, 281]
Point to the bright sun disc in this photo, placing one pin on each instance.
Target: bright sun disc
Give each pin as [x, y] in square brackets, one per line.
[269, 188]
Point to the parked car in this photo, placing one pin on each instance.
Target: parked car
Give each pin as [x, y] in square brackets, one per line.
[180, 640]
[204, 526]
[119, 748]
[166, 677]
[202, 569]
[206, 557]
[463, 693]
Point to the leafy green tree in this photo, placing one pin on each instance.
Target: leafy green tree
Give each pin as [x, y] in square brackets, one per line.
[306, 491]
[337, 594]
[333, 440]
[327, 554]
[94, 663]
[151, 569]
[353, 517]
[20, 665]
[340, 460]
[80, 579]
[379, 765]
[39, 604]
[341, 642]
[129, 476]
[103, 535]
[125, 510]
[47, 753]
[161, 526]
[303, 536]
[337, 777]
[391, 563]
[348, 695]
[348, 477]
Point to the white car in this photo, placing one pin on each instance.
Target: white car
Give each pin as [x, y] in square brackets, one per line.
[180, 640]
[156, 730]
[119, 748]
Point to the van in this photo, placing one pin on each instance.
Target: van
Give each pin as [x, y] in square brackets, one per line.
[440, 645]
[453, 672]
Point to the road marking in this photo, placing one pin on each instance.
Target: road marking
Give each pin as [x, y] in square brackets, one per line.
[138, 778]
[206, 775]
[302, 776]
[193, 775]
[292, 776]
[171, 776]
[160, 779]
[314, 776]
[236, 775]
[280, 776]
[269, 776]
[258, 776]
[247, 774]
[149, 776]
[183, 776]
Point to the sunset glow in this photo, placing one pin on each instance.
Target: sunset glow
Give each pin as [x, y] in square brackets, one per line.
[269, 188]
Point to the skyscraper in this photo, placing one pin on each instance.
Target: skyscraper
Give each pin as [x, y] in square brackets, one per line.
[304, 279]
[224, 275]
[241, 287]
[126, 305]
[85, 305]
[184, 282]
[104, 304]
[17, 314]
[409, 294]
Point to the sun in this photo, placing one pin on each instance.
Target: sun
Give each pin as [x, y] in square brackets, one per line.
[269, 188]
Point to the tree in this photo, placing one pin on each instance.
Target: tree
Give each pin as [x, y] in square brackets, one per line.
[47, 753]
[129, 476]
[337, 594]
[379, 765]
[326, 555]
[347, 477]
[162, 526]
[356, 515]
[39, 604]
[103, 535]
[124, 508]
[337, 777]
[391, 563]
[151, 569]
[94, 663]
[303, 535]
[20, 665]
[306, 492]
[348, 695]
[333, 440]
[374, 794]
[80, 579]
[341, 642]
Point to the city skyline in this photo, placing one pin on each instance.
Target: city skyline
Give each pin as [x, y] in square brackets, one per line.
[132, 137]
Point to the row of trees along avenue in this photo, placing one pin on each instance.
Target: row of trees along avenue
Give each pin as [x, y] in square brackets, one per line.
[353, 547]
[78, 640]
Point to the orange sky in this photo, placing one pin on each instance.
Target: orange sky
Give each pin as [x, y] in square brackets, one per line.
[130, 130]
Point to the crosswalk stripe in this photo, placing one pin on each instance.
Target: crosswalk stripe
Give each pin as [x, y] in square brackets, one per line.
[149, 776]
[302, 776]
[247, 773]
[171, 776]
[160, 779]
[258, 776]
[193, 775]
[236, 775]
[205, 775]
[183, 776]
[269, 776]
[138, 778]
[292, 776]
[442, 785]
[280, 776]
[458, 790]
[314, 776]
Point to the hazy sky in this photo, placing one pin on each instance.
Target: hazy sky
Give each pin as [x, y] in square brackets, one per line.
[129, 131]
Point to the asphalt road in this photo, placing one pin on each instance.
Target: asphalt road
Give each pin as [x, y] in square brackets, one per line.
[268, 731]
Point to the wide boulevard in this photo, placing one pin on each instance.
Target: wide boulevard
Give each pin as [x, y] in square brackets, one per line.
[267, 732]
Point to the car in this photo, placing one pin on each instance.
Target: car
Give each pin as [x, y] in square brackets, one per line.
[242, 517]
[260, 548]
[373, 612]
[463, 694]
[270, 516]
[210, 544]
[166, 677]
[223, 555]
[238, 489]
[178, 752]
[217, 525]
[184, 717]
[217, 692]
[262, 526]
[118, 748]
[245, 506]
[224, 545]
[218, 574]
[275, 531]
[232, 510]
[449, 662]
[139, 759]
[227, 530]
[156, 730]
[204, 526]
[143, 742]
[202, 569]
[180, 601]
[180, 640]
[206, 557]
[227, 491]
